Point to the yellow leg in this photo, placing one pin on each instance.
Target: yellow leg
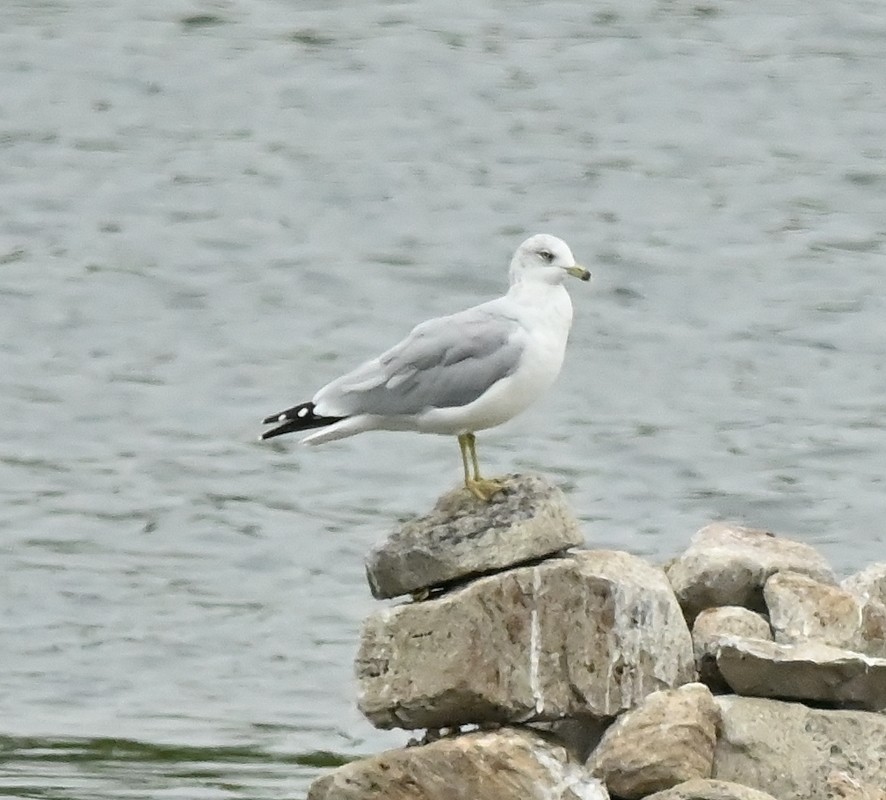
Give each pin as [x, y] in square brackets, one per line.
[481, 488]
[463, 446]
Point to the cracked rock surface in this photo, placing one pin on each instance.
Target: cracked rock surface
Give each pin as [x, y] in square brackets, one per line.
[588, 634]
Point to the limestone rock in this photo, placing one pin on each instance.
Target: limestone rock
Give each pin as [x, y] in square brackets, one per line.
[842, 786]
[808, 671]
[803, 609]
[588, 634]
[668, 739]
[495, 765]
[711, 627]
[726, 565]
[464, 537]
[790, 750]
[870, 583]
[707, 789]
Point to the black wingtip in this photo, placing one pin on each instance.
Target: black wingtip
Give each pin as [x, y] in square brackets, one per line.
[301, 412]
[297, 418]
[286, 427]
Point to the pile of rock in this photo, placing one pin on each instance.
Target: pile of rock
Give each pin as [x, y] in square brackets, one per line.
[579, 678]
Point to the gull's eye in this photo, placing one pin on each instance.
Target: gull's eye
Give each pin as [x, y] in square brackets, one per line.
[546, 255]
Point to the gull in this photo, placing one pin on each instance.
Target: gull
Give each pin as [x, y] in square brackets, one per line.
[458, 374]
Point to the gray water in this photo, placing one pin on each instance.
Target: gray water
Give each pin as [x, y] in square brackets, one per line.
[209, 209]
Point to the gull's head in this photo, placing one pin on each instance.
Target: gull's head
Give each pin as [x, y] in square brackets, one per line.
[545, 258]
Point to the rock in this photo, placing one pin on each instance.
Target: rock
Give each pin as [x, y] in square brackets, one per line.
[803, 609]
[844, 787]
[588, 634]
[477, 766]
[668, 739]
[579, 735]
[808, 671]
[869, 584]
[727, 566]
[707, 789]
[464, 537]
[711, 627]
[789, 750]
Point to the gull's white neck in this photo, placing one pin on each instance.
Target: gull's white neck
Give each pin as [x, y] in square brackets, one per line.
[542, 299]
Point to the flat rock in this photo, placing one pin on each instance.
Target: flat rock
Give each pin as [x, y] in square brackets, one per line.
[709, 789]
[497, 765]
[667, 739]
[802, 609]
[464, 537]
[726, 565]
[807, 671]
[791, 750]
[869, 584]
[711, 627]
[588, 634]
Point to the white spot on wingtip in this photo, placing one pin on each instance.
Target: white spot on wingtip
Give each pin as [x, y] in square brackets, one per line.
[281, 418]
[303, 412]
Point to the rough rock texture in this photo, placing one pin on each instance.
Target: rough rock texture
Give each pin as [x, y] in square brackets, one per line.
[844, 787]
[707, 789]
[668, 739]
[870, 583]
[464, 537]
[478, 766]
[591, 633]
[790, 750]
[808, 671]
[803, 609]
[714, 625]
[727, 566]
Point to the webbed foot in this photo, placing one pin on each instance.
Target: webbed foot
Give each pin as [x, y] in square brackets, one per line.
[483, 488]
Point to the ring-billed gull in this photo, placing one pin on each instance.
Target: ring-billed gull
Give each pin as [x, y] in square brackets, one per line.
[458, 374]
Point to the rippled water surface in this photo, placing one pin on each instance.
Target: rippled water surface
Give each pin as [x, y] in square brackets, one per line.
[208, 209]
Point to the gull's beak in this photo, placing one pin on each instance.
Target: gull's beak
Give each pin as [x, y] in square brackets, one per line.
[579, 272]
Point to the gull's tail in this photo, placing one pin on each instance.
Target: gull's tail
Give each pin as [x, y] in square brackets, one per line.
[297, 418]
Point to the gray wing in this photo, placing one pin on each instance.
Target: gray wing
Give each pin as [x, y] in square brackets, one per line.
[444, 362]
